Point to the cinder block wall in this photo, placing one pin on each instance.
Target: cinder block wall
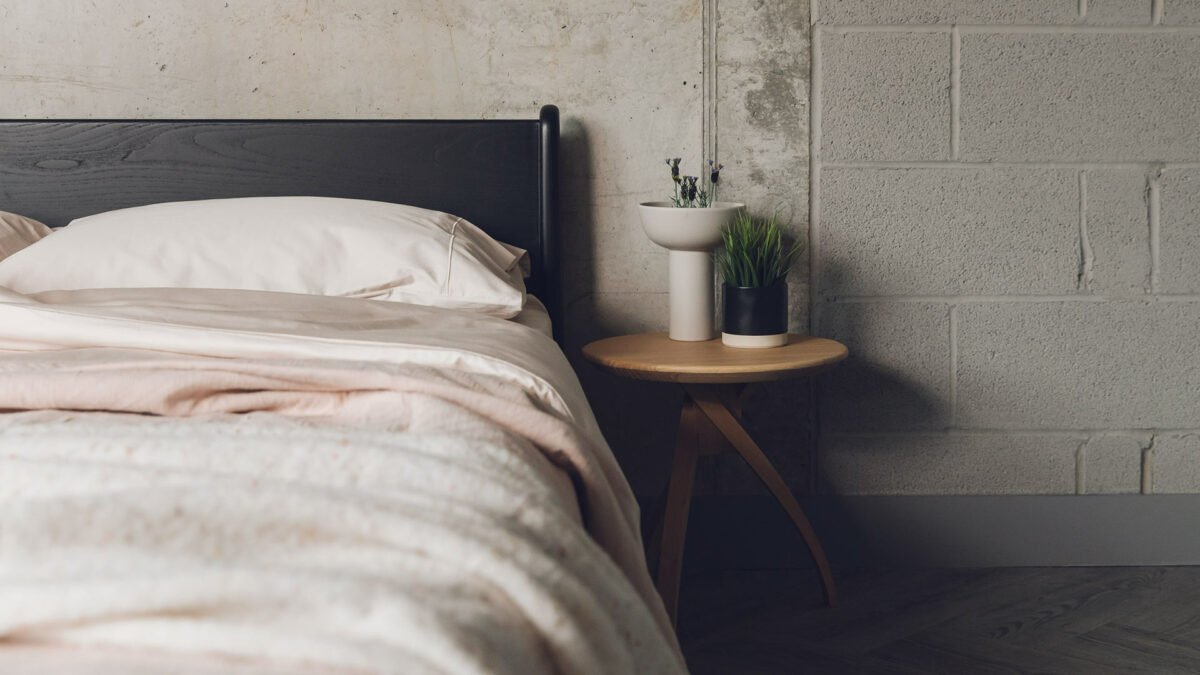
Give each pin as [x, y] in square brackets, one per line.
[1006, 232]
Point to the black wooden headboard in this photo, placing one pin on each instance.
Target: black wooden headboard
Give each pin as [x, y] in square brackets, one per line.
[499, 174]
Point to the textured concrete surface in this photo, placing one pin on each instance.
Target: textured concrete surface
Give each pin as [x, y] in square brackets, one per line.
[1112, 464]
[1079, 365]
[1116, 256]
[761, 133]
[887, 96]
[1176, 463]
[947, 11]
[625, 79]
[1181, 13]
[1179, 261]
[1080, 96]
[948, 231]
[1123, 12]
[898, 374]
[948, 464]
[762, 119]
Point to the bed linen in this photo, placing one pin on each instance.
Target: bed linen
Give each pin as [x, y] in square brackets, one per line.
[233, 481]
[311, 245]
[535, 315]
[18, 232]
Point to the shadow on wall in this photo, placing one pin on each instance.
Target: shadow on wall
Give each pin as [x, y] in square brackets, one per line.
[638, 418]
[884, 413]
[576, 221]
[896, 379]
[866, 396]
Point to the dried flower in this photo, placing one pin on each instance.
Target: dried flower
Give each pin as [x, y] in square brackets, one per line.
[689, 190]
[714, 172]
[674, 164]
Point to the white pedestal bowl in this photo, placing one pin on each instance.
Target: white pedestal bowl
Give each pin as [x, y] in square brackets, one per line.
[690, 235]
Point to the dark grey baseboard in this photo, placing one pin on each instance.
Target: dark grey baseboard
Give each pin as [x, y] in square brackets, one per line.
[948, 531]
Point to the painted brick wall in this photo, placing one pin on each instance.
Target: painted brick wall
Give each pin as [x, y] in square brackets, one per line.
[1005, 229]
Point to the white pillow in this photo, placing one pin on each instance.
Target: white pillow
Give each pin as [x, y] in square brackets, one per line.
[18, 232]
[311, 245]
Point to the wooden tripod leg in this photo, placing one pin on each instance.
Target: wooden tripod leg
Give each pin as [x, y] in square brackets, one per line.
[708, 399]
[678, 502]
[652, 526]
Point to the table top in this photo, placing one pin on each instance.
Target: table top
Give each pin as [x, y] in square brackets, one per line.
[654, 356]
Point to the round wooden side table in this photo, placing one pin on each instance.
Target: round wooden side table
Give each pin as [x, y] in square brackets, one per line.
[713, 376]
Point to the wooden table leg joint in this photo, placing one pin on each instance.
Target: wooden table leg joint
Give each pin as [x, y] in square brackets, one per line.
[709, 423]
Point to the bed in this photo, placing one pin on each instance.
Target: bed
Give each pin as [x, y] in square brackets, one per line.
[200, 478]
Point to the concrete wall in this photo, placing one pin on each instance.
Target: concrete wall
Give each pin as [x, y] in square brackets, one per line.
[754, 108]
[1006, 224]
[636, 82]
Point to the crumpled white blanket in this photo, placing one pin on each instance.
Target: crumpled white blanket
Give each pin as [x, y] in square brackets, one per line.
[393, 515]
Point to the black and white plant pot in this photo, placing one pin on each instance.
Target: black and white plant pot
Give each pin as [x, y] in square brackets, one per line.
[755, 317]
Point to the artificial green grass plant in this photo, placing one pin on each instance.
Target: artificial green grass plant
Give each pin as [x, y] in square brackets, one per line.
[754, 252]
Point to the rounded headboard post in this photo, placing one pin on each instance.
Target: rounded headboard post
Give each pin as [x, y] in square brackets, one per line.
[551, 272]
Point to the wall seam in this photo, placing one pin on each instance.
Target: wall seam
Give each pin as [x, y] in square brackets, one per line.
[1153, 210]
[955, 91]
[1062, 28]
[953, 366]
[1148, 466]
[1083, 9]
[1081, 467]
[1076, 29]
[888, 28]
[968, 164]
[1156, 12]
[708, 66]
[814, 238]
[1086, 257]
[814, 173]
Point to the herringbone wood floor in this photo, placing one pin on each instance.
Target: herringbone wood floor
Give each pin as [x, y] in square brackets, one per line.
[1089, 620]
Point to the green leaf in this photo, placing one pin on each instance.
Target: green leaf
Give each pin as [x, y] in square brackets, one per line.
[754, 251]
